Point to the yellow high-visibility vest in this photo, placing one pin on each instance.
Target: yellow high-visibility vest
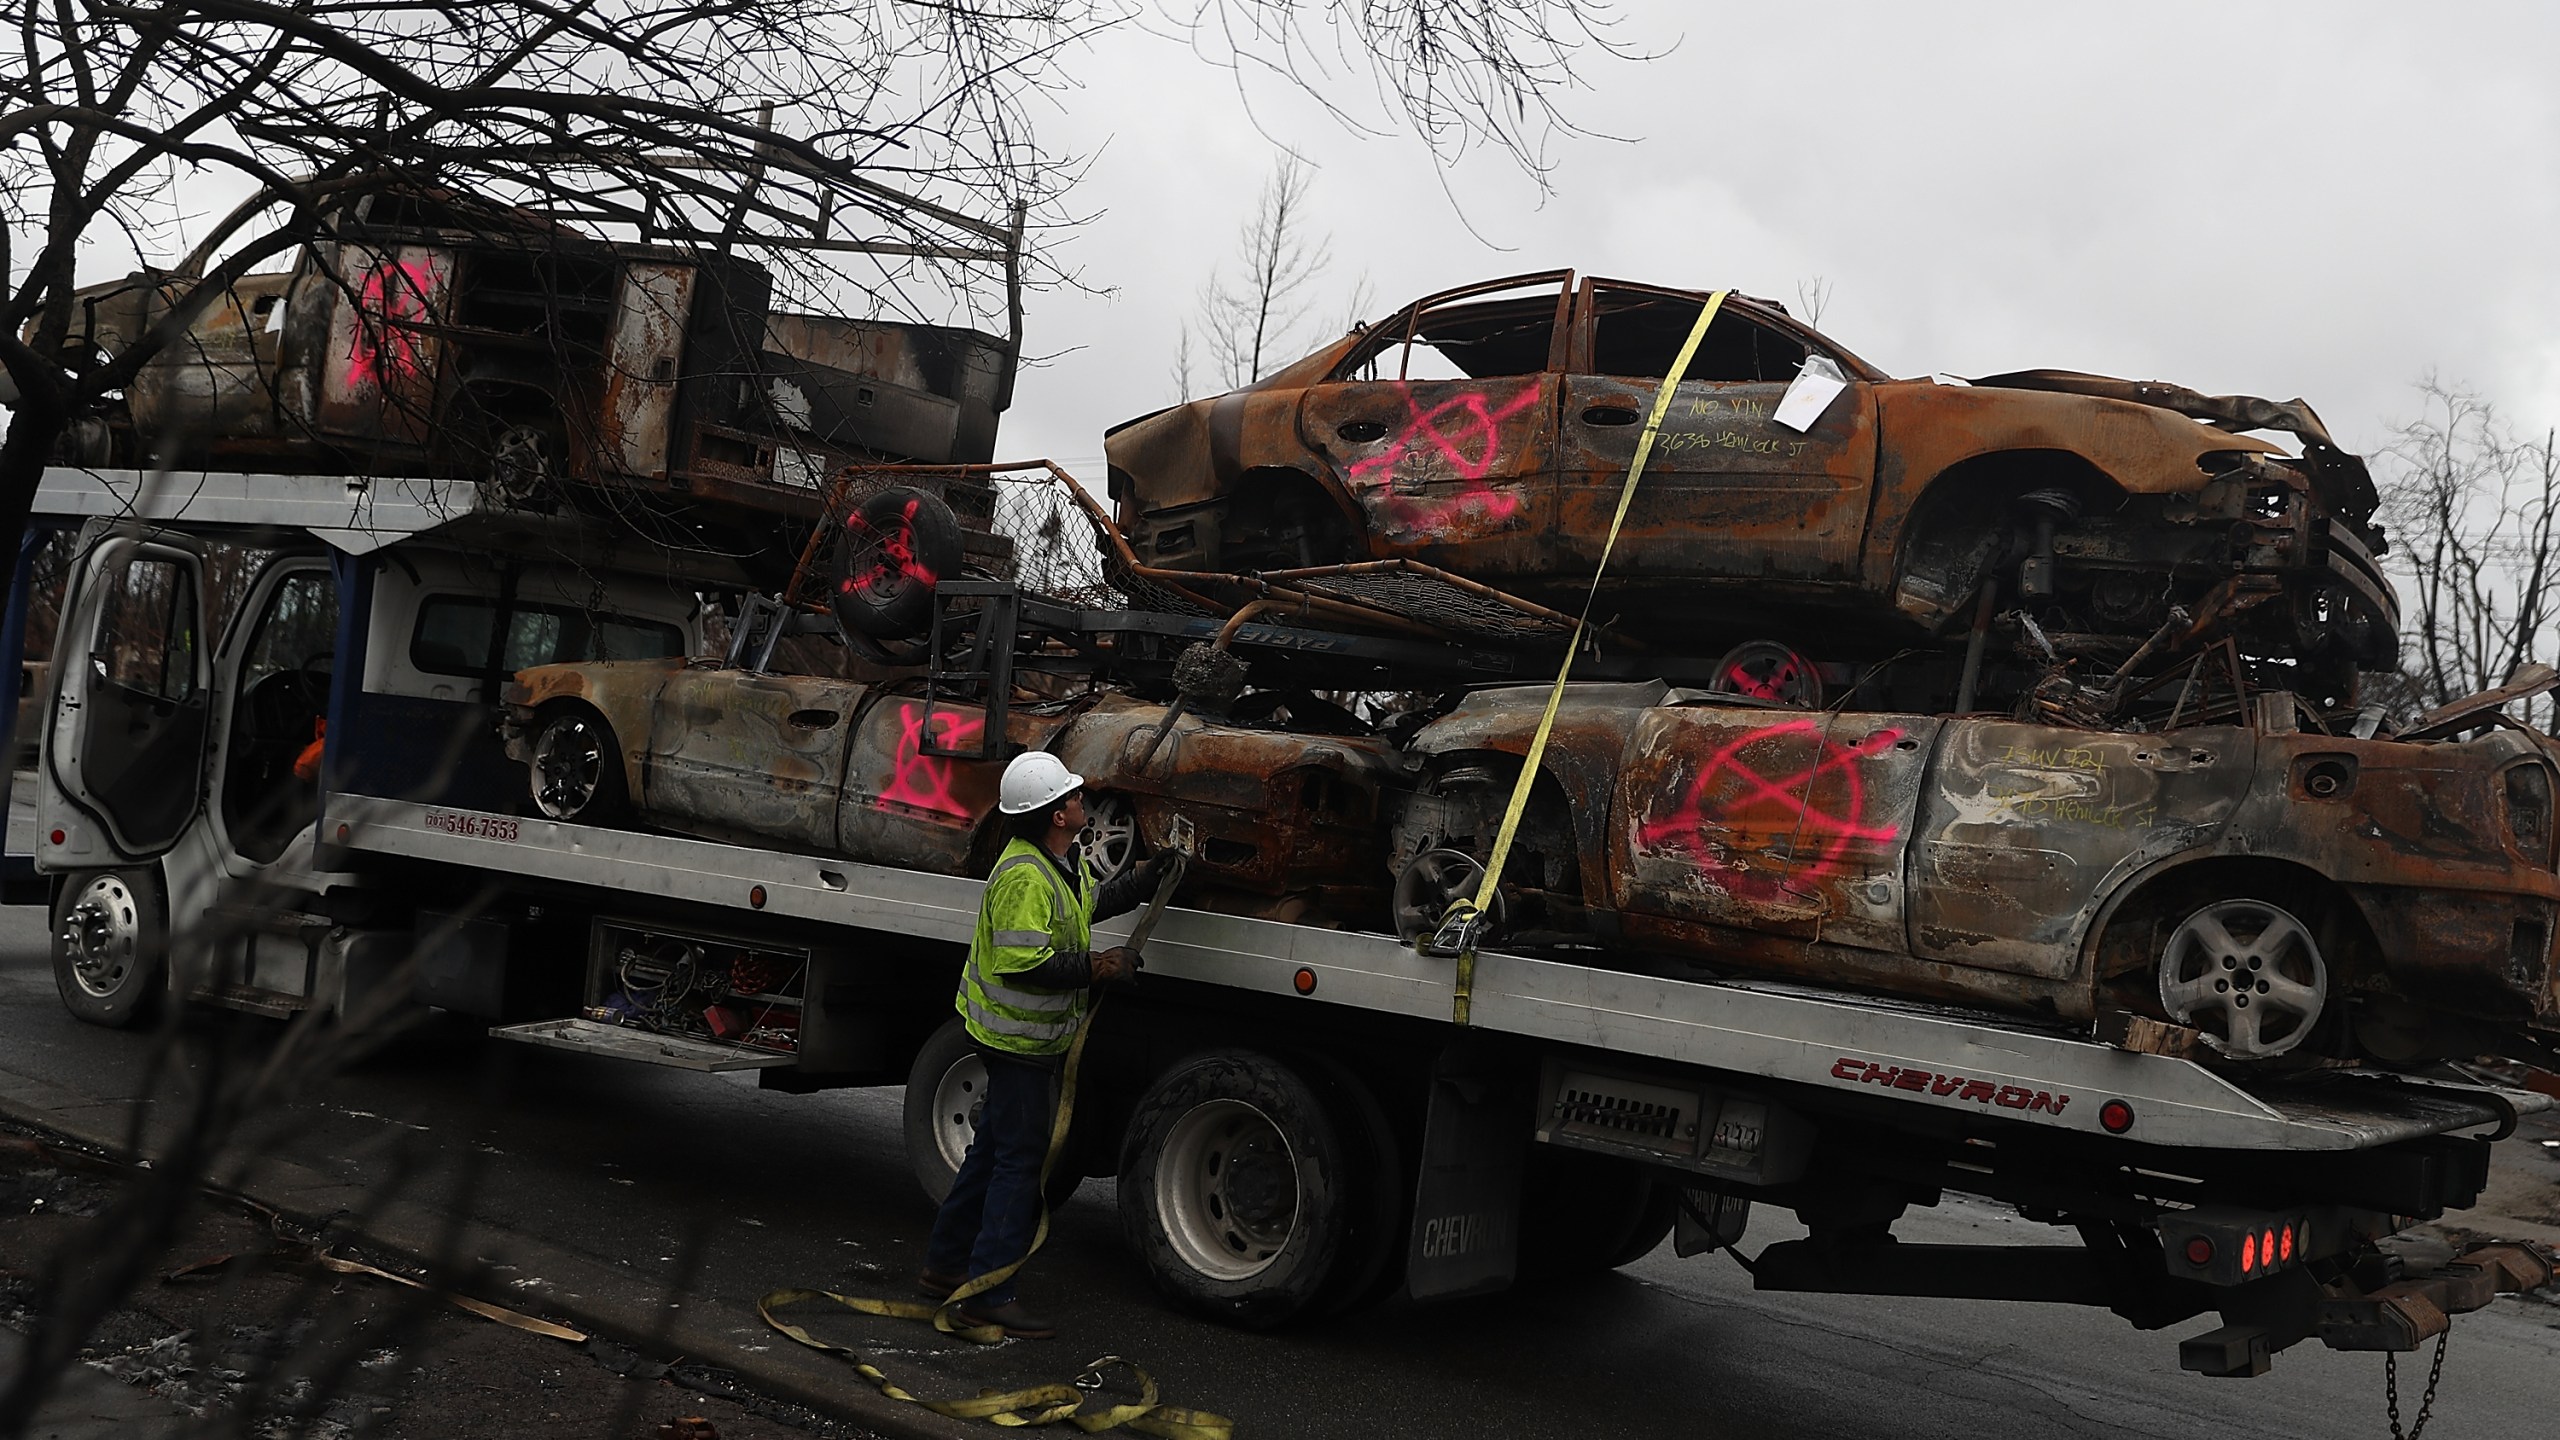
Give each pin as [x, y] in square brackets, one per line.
[1030, 913]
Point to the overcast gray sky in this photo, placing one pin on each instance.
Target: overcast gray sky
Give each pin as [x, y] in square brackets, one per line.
[2315, 200]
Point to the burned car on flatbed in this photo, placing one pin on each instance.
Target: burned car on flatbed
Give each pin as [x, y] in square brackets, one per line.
[1283, 825]
[1486, 431]
[428, 334]
[2269, 887]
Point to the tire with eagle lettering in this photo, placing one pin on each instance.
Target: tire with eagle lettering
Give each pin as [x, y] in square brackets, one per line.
[896, 546]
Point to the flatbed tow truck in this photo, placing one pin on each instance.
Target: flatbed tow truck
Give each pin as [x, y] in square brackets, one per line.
[1343, 1140]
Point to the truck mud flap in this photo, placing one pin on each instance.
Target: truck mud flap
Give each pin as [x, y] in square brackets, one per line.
[1466, 1205]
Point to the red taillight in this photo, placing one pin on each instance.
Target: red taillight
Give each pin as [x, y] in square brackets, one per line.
[2248, 1253]
[2288, 1242]
[1305, 981]
[59, 837]
[2267, 1248]
[2116, 1116]
[2199, 1252]
[755, 897]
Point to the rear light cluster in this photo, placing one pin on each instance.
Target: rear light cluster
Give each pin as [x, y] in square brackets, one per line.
[2231, 1247]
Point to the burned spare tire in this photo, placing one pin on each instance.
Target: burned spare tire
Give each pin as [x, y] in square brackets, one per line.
[895, 547]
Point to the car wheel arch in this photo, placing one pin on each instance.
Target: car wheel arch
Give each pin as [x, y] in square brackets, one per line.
[2176, 882]
[634, 773]
[1989, 480]
[1263, 490]
[1588, 824]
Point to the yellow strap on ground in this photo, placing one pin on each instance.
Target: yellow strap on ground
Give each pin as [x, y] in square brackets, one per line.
[1463, 1005]
[1033, 1405]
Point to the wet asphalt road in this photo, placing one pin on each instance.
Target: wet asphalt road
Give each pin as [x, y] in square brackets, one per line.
[643, 1168]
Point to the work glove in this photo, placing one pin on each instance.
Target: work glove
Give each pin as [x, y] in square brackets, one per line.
[1114, 965]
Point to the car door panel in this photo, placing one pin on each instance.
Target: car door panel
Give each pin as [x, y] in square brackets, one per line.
[1779, 822]
[1456, 473]
[905, 806]
[2025, 830]
[757, 754]
[1727, 491]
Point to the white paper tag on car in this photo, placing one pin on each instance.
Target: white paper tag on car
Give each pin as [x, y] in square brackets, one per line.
[1816, 386]
[275, 316]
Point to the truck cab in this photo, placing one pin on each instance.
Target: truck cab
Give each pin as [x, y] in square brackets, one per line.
[220, 666]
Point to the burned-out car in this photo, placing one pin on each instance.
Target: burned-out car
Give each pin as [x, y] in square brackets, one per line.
[1282, 824]
[1487, 431]
[2276, 889]
[426, 334]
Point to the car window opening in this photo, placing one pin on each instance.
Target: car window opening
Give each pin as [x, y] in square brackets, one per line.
[454, 634]
[1471, 340]
[1638, 335]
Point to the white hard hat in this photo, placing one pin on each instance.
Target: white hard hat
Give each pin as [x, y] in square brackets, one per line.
[1033, 779]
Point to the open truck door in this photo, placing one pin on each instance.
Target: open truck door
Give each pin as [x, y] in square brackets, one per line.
[132, 703]
[124, 761]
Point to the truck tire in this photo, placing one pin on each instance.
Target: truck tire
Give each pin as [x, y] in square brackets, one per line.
[1653, 1225]
[1581, 1214]
[945, 1088]
[110, 945]
[897, 545]
[573, 768]
[1372, 1263]
[1235, 1189]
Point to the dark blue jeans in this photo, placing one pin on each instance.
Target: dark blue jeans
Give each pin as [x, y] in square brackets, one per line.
[994, 1206]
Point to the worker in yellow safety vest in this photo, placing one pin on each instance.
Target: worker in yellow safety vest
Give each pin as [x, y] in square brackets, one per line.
[1022, 996]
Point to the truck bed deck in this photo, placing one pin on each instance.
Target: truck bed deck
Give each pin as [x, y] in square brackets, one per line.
[1922, 1055]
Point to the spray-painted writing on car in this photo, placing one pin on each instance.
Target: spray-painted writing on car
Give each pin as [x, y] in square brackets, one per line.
[1462, 434]
[1816, 810]
[918, 781]
[391, 302]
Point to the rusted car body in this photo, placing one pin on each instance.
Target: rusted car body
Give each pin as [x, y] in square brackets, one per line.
[2025, 867]
[1287, 825]
[428, 336]
[1487, 431]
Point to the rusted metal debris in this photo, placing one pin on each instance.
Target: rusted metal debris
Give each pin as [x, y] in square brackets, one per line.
[1485, 431]
[2023, 866]
[429, 334]
[2158, 810]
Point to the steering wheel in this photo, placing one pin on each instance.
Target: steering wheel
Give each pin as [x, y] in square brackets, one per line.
[311, 682]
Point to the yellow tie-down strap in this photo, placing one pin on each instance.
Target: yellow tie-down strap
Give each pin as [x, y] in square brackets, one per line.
[1462, 924]
[1038, 1404]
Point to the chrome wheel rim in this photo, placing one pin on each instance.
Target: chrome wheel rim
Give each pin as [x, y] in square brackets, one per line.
[959, 1098]
[1110, 835]
[1431, 882]
[1227, 1187]
[102, 935]
[568, 765]
[2246, 973]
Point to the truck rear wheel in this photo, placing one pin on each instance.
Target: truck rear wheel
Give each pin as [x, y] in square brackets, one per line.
[1234, 1188]
[1581, 1214]
[946, 1089]
[110, 945]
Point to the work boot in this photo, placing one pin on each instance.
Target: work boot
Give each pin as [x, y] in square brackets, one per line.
[932, 1284]
[1017, 1323]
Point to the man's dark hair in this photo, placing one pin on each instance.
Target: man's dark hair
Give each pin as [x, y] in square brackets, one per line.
[1033, 825]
